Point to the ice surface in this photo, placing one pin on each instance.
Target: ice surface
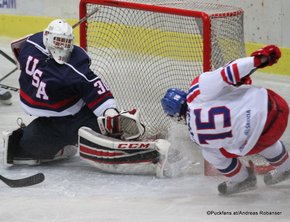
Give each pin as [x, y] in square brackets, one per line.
[75, 191]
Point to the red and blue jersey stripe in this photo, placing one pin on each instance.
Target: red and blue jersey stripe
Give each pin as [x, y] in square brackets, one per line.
[231, 74]
[193, 90]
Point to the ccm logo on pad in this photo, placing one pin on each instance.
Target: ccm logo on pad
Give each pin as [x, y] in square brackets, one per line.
[134, 145]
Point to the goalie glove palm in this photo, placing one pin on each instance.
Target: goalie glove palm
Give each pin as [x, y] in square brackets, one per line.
[125, 125]
[131, 126]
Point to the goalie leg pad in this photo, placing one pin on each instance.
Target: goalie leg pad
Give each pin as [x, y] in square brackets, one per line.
[117, 156]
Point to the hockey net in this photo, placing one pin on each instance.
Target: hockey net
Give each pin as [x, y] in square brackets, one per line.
[142, 48]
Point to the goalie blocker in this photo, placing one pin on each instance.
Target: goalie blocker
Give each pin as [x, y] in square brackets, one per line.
[124, 157]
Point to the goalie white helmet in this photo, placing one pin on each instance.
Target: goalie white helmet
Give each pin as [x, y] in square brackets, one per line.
[58, 39]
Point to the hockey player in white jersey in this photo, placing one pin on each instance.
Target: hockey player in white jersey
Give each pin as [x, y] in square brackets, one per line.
[230, 118]
[58, 87]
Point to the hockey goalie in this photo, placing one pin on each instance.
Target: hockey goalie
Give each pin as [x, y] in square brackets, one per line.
[73, 105]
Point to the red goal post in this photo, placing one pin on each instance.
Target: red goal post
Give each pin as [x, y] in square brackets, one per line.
[142, 48]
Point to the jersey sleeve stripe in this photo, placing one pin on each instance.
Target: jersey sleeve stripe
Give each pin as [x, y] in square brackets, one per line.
[100, 100]
[193, 88]
[193, 91]
[236, 73]
[229, 74]
[192, 96]
[225, 79]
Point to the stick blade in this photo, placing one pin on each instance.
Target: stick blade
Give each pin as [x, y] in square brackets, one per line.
[24, 182]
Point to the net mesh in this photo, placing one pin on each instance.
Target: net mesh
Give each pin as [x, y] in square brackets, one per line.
[129, 127]
[141, 53]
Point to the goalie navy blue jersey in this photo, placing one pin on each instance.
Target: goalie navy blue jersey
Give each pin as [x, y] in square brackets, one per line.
[51, 89]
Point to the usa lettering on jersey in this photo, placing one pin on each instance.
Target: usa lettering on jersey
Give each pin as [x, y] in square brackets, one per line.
[50, 89]
[36, 74]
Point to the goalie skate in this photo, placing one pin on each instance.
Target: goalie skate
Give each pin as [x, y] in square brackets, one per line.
[273, 177]
[229, 187]
[11, 139]
[65, 153]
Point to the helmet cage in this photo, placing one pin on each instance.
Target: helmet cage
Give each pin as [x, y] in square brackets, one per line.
[59, 43]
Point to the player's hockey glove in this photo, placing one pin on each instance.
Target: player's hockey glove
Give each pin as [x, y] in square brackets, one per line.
[245, 81]
[266, 56]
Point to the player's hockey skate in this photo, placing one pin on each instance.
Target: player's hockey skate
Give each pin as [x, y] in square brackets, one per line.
[273, 177]
[5, 97]
[229, 187]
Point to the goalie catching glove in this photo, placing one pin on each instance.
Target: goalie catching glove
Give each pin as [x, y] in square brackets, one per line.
[125, 125]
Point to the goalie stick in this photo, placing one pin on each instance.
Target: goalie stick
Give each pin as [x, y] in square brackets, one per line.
[8, 57]
[85, 18]
[23, 182]
[12, 61]
[9, 87]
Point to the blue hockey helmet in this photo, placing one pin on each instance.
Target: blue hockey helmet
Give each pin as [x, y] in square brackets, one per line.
[174, 103]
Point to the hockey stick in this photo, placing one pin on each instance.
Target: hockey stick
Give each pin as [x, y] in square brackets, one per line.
[11, 60]
[85, 18]
[9, 87]
[8, 57]
[24, 182]
[8, 74]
